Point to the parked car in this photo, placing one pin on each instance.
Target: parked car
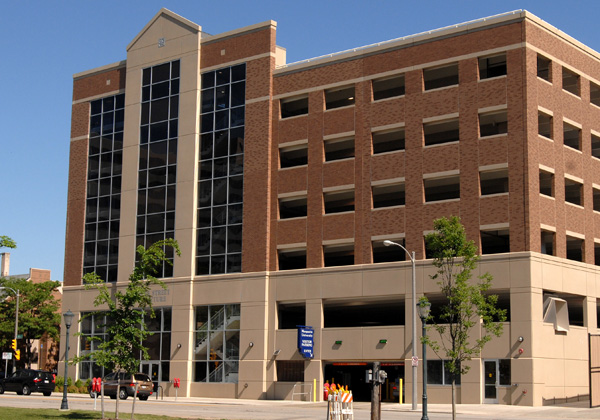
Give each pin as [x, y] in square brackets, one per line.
[26, 381]
[127, 388]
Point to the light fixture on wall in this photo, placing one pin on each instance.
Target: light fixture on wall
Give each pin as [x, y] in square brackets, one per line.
[178, 345]
[251, 344]
[276, 352]
[338, 342]
[521, 339]
[383, 341]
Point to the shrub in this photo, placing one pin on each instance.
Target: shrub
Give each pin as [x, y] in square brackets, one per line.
[78, 383]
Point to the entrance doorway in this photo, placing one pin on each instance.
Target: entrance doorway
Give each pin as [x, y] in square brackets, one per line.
[353, 375]
[490, 381]
[152, 369]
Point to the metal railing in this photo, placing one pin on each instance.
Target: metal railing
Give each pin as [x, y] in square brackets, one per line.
[302, 390]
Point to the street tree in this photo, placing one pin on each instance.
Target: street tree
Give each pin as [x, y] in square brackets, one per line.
[6, 242]
[38, 314]
[466, 304]
[125, 310]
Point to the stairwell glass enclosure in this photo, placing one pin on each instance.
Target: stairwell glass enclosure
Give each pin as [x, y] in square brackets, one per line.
[217, 342]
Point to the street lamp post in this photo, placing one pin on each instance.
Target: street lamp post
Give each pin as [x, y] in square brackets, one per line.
[64, 405]
[424, 309]
[414, 320]
[16, 292]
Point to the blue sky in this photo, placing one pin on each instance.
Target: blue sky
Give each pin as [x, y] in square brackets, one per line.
[45, 42]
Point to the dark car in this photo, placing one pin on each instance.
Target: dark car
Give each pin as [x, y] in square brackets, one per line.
[127, 386]
[26, 381]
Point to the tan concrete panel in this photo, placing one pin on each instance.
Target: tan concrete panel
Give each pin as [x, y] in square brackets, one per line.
[390, 281]
[217, 289]
[351, 347]
[392, 350]
[255, 290]
[290, 288]
[127, 255]
[189, 115]
[183, 266]
[208, 390]
[254, 317]
[340, 284]
[287, 342]
[256, 351]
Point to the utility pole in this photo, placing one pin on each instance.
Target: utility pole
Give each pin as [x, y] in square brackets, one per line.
[376, 378]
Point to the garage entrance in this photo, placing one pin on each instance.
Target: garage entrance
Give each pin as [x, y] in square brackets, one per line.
[353, 374]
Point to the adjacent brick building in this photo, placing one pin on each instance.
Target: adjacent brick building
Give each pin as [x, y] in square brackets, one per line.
[281, 181]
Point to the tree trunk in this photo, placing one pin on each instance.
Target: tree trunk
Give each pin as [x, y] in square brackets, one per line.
[453, 398]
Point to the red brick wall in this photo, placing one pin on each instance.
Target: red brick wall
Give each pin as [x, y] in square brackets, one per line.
[84, 87]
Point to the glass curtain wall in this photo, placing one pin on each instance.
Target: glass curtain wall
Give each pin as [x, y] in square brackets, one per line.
[103, 202]
[158, 157]
[217, 343]
[220, 186]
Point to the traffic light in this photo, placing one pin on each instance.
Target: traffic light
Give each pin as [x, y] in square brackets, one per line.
[18, 354]
[14, 345]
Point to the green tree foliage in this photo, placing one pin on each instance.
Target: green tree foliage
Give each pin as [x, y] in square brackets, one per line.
[6, 242]
[38, 314]
[125, 309]
[466, 304]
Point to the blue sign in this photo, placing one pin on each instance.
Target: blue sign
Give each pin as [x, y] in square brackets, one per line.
[305, 341]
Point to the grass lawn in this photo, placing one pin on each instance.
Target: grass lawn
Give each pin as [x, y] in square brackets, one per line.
[10, 413]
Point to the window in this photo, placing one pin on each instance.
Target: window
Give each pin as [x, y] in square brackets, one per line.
[570, 82]
[594, 94]
[290, 370]
[339, 97]
[544, 68]
[572, 136]
[596, 198]
[440, 76]
[504, 372]
[438, 373]
[363, 313]
[494, 181]
[159, 343]
[292, 107]
[93, 332]
[575, 250]
[545, 125]
[291, 259]
[597, 256]
[440, 132]
[388, 87]
[503, 303]
[492, 124]
[339, 149]
[548, 242]
[492, 66]
[293, 156]
[388, 141]
[546, 183]
[334, 255]
[221, 183]
[382, 253]
[388, 195]
[291, 207]
[217, 343]
[495, 241]
[338, 201]
[573, 192]
[103, 200]
[290, 315]
[595, 146]
[437, 189]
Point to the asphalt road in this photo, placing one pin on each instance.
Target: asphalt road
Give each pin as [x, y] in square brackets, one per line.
[209, 408]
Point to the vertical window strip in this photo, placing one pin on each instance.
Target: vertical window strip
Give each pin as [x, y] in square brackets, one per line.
[103, 202]
[221, 163]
